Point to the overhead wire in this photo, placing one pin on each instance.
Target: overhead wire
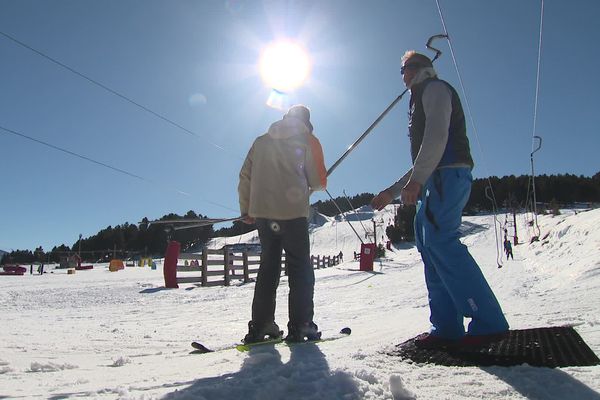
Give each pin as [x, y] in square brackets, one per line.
[6, 130]
[531, 202]
[537, 78]
[74, 154]
[355, 213]
[491, 196]
[342, 214]
[535, 112]
[116, 93]
[112, 91]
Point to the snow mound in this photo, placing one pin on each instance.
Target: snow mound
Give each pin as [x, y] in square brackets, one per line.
[316, 219]
[119, 362]
[49, 367]
[4, 370]
[399, 391]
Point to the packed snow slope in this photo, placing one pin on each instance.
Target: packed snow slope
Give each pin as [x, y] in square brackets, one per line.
[122, 335]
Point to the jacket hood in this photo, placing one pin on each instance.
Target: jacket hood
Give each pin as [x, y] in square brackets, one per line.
[287, 127]
[424, 73]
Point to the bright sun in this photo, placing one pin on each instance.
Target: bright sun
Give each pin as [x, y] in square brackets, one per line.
[284, 66]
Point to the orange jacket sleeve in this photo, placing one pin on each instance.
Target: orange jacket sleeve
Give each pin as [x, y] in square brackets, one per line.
[317, 179]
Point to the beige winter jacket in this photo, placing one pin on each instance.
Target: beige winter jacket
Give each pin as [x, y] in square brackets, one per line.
[281, 169]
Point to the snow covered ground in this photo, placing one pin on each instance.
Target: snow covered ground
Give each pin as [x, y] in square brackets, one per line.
[121, 335]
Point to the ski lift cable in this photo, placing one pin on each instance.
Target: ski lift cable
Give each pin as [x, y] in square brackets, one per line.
[355, 213]
[466, 98]
[7, 131]
[534, 135]
[112, 91]
[528, 192]
[491, 196]
[536, 227]
[72, 153]
[537, 80]
[496, 223]
[384, 113]
[341, 212]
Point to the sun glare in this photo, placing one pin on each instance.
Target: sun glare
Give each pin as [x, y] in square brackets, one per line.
[284, 66]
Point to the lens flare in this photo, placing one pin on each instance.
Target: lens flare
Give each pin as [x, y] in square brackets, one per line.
[278, 100]
[284, 66]
[197, 100]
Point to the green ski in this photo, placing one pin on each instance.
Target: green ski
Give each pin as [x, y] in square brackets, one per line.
[201, 349]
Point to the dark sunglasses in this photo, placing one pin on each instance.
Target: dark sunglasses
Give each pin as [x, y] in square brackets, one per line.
[412, 66]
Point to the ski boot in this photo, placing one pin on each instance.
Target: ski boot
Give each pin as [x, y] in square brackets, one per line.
[266, 331]
[305, 332]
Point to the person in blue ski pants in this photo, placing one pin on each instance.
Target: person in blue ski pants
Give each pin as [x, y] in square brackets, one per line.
[456, 285]
[439, 183]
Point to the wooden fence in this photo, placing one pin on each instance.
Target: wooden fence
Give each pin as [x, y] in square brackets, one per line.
[220, 267]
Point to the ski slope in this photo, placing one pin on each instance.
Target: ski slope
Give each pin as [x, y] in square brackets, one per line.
[121, 335]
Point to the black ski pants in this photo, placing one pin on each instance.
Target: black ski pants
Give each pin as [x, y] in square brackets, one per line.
[291, 236]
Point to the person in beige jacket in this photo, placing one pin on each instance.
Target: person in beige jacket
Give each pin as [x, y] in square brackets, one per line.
[283, 167]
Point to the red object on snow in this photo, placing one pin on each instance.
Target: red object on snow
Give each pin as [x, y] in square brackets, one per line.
[13, 270]
[170, 266]
[367, 255]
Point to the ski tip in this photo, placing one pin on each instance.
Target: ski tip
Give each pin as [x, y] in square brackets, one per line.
[200, 348]
[346, 331]
[242, 347]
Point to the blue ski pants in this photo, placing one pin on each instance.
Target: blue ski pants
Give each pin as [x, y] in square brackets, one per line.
[456, 285]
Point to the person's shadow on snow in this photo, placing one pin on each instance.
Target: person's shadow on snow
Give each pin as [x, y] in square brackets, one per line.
[264, 376]
[536, 383]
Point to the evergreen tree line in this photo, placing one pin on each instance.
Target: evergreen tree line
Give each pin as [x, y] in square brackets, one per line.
[509, 192]
[130, 240]
[238, 228]
[329, 208]
[121, 241]
[513, 192]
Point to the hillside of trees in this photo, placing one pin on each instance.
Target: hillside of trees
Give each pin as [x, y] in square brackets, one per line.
[329, 208]
[509, 192]
[121, 241]
[512, 192]
[130, 240]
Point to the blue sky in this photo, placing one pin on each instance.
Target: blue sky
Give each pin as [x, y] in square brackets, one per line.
[195, 63]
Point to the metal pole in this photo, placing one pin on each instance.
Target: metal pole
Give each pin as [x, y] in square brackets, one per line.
[341, 212]
[191, 222]
[198, 225]
[515, 237]
[383, 114]
[491, 197]
[374, 232]
[336, 242]
[365, 133]
[354, 210]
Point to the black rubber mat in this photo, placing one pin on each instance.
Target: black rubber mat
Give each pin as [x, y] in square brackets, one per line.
[541, 347]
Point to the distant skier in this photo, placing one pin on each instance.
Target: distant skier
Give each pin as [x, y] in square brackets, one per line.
[341, 256]
[508, 249]
[440, 183]
[283, 167]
